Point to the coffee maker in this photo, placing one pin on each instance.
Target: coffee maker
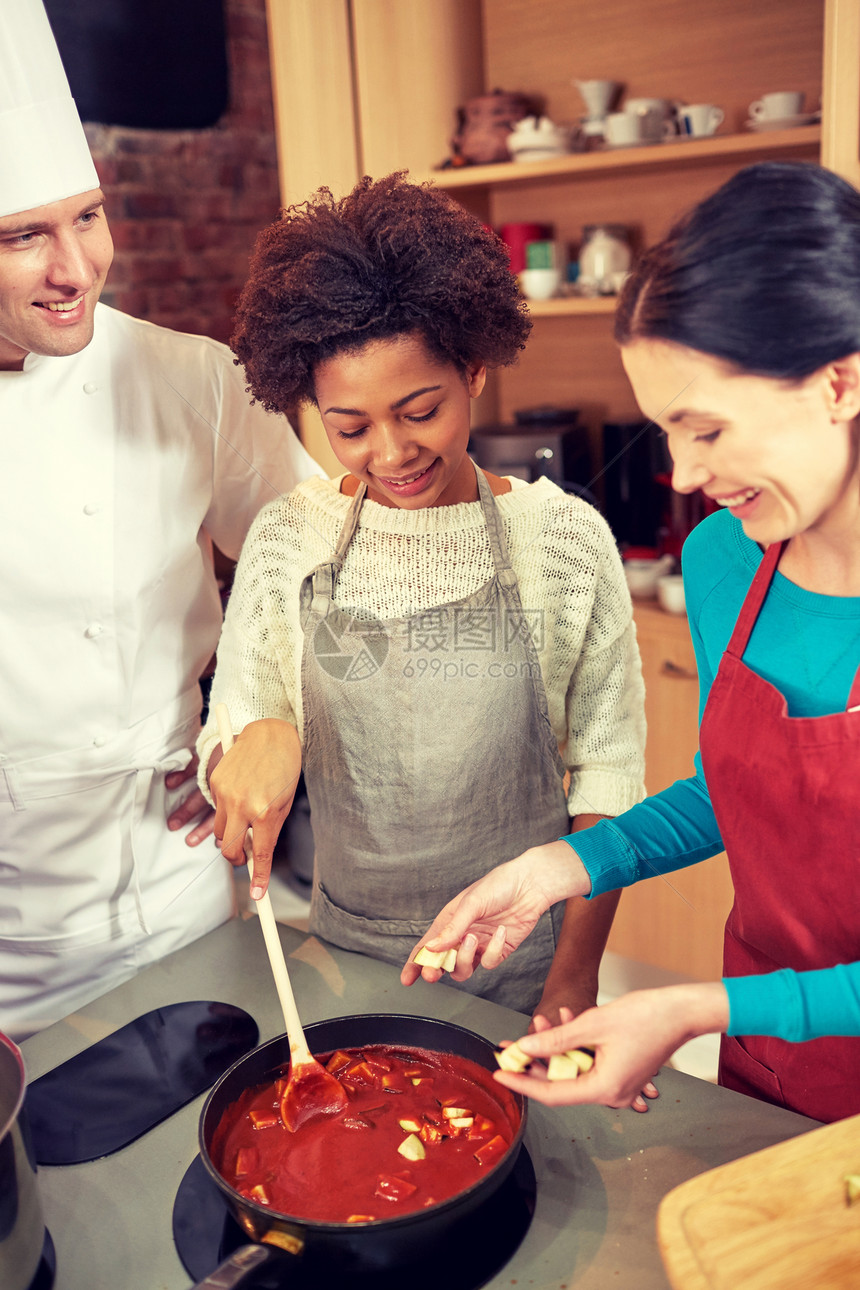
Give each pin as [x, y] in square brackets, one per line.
[640, 505]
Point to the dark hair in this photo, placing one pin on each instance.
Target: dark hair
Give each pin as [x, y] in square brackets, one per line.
[390, 258]
[765, 273]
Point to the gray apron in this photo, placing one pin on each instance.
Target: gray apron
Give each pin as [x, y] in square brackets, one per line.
[429, 758]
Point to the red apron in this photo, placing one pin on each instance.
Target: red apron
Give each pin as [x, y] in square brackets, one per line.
[786, 795]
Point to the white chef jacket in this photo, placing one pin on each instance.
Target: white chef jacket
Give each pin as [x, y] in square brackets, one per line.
[120, 465]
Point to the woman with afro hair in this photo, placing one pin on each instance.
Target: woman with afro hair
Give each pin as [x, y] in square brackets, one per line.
[419, 637]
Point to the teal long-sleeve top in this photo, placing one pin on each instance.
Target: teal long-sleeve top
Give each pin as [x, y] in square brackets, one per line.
[808, 646]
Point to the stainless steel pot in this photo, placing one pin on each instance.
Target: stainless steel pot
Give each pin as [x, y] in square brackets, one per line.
[337, 1251]
[22, 1226]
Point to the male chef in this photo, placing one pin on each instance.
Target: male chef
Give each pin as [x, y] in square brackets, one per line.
[126, 450]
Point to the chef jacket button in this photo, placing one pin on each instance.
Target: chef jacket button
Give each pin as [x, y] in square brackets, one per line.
[90, 387]
[99, 741]
[3, 758]
[94, 629]
[91, 508]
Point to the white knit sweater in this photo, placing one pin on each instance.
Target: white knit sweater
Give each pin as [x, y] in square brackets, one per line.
[400, 562]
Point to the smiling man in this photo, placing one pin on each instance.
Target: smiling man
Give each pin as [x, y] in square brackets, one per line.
[53, 264]
[126, 451]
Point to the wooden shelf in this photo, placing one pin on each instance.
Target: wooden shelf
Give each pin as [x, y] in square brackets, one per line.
[571, 306]
[804, 140]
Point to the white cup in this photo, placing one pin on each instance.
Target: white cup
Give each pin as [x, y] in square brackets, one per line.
[777, 106]
[670, 593]
[623, 128]
[539, 284]
[700, 118]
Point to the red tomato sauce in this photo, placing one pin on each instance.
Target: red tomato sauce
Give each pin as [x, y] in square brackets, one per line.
[351, 1167]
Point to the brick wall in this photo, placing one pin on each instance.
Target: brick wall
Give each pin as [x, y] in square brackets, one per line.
[185, 205]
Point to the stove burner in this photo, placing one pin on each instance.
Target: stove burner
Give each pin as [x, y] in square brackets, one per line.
[47, 1269]
[122, 1086]
[205, 1233]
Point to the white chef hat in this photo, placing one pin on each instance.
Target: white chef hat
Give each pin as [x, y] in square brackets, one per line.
[44, 156]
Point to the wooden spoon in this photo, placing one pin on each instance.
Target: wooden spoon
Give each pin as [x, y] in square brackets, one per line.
[311, 1091]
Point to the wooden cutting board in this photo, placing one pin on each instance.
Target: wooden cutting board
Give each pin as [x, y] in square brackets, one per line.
[775, 1220]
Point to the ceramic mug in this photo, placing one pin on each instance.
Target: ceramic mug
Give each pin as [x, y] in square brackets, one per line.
[777, 106]
[700, 118]
[670, 593]
[622, 129]
[539, 284]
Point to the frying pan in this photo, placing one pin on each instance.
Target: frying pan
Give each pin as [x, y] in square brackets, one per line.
[340, 1250]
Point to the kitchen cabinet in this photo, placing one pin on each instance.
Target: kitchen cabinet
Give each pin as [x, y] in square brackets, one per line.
[673, 922]
[373, 85]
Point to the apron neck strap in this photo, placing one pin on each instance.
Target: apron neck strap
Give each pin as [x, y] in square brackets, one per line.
[325, 574]
[350, 524]
[754, 599]
[495, 530]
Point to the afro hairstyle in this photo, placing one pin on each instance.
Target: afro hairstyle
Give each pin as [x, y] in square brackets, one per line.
[391, 258]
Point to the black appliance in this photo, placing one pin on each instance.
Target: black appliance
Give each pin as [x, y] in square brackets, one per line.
[541, 442]
[634, 498]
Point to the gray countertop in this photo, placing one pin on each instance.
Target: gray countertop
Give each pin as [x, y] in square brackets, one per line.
[600, 1173]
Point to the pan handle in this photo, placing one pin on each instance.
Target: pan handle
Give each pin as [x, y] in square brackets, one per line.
[259, 1266]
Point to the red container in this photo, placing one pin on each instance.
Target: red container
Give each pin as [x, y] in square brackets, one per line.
[517, 236]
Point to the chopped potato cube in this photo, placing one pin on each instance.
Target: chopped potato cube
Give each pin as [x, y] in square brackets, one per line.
[564, 1066]
[462, 1122]
[412, 1148]
[454, 1112]
[410, 1126]
[513, 1059]
[430, 958]
[569, 1065]
[583, 1056]
[444, 959]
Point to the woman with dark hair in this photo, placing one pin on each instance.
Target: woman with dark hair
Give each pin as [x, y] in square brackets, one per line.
[419, 636]
[740, 333]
